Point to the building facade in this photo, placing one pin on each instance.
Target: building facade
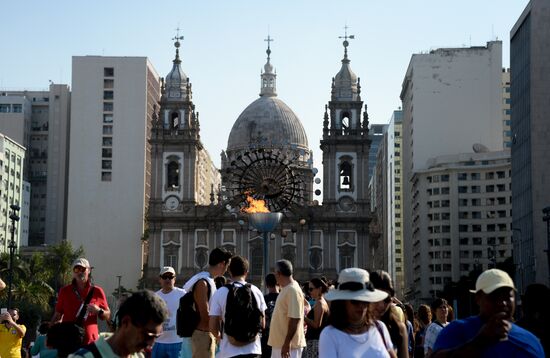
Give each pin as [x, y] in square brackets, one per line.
[452, 99]
[12, 192]
[530, 105]
[462, 214]
[267, 159]
[40, 121]
[113, 101]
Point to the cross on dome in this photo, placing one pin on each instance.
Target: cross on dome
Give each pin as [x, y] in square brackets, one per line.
[346, 43]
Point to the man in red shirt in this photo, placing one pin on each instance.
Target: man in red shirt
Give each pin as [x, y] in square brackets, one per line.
[82, 302]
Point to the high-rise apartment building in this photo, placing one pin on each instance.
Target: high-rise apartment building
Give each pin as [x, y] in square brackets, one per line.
[39, 120]
[452, 100]
[113, 101]
[506, 111]
[12, 186]
[376, 133]
[461, 219]
[530, 107]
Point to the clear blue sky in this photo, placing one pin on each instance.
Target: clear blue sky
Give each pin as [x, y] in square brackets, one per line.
[223, 50]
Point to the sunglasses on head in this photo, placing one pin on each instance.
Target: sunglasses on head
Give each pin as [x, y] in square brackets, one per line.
[167, 277]
[79, 269]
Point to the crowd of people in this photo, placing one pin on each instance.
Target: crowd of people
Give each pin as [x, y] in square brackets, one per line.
[217, 313]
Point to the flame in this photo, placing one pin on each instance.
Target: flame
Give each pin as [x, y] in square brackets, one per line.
[255, 206]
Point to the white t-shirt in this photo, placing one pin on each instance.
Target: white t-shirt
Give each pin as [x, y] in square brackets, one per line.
[172, 300]
[336, 343]
[217, 308]
[431, 335]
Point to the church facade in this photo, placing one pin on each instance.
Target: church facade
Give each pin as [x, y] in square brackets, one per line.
[194, 208]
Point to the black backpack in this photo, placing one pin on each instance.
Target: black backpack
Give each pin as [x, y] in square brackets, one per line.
[187, 316]
[243, 319]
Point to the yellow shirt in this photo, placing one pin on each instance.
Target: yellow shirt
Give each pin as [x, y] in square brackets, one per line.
[10, 342]
[289, 304]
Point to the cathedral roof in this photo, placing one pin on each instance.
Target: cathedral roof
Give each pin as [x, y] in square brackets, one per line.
[268, 120]
[176, 81]
[345, 83]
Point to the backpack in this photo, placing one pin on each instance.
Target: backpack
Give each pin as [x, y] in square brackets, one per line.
[243, 319]
[270, 300]
[187, 316]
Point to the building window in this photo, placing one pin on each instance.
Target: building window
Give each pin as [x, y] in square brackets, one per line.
[108, 83]
[346, 180]
[108, 72]
[5, 108]
[173, 175]
[107, 118]
[108, 95]
[106, 152]
[17, 108]
[107, 141]
[107, 129]
[106, 164]
[108, 106]
[105, 176]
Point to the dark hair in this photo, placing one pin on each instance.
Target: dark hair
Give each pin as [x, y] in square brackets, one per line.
[66, 337]
[238, 266]
[319, 283]
[409, 310]
[535, 299]
[43, 328]
[438, 302]
[382, 280]
[424, 314]
[338, 317]
[219, 255]
[142, 307]
[284, 267]
[270, 280]
[220, 281]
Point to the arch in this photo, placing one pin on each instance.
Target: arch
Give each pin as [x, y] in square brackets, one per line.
[175, 120]
[173, 175]
[345, 122]
[346, 180]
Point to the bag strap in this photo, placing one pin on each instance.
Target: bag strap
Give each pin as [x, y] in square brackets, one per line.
[381, 334]
[80, 319]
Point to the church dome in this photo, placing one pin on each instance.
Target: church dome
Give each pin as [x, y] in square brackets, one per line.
[345, 85]
[267, 121]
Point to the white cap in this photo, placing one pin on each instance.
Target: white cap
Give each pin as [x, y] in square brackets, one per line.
[493, 279]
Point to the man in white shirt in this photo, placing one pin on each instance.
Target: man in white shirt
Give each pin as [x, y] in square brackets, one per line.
[238, 269]
[168, 345]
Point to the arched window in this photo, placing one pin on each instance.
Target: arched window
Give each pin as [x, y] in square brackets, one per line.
[271, 83]
[345, 122]
[175, 120]
[345, 182]
[173, 175]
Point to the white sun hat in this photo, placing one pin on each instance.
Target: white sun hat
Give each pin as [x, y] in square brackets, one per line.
[353, 284]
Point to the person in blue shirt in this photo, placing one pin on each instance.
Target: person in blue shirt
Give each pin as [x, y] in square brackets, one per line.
[492, 333]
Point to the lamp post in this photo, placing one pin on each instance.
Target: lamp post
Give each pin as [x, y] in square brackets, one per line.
[546, 218]
[12, 246]
[265, 223]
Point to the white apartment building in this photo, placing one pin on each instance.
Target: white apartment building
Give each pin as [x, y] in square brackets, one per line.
[12, 157]
[113, 101]
[461, 219]
[452, 99]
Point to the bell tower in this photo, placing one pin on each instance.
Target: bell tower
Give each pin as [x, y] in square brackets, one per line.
[175, 143]
[345, 143]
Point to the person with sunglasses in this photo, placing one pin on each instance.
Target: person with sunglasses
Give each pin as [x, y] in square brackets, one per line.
[82, 302]
[168, 345]
[352, 331]
[139, 322]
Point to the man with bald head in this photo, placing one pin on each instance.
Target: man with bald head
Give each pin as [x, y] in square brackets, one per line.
[492, 333]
